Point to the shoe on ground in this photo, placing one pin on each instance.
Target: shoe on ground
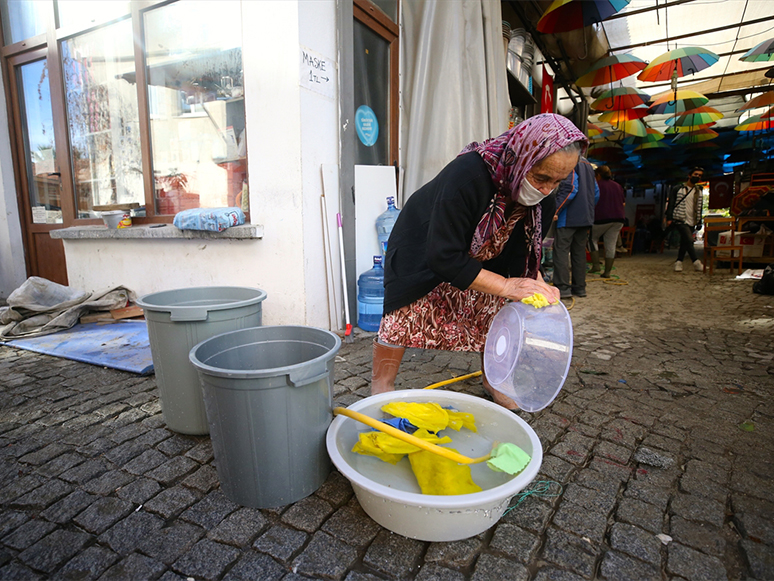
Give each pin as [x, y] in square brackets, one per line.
[697, 265]
[565, 295]
[678, 266]
[579, 293]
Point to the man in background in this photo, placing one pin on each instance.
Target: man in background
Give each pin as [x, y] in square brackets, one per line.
[576, 197]
[683, 212]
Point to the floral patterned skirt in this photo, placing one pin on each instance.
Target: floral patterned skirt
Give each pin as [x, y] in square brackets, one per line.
[447, 318]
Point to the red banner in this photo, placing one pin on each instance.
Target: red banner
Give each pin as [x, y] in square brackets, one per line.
[547, 97]
[721, 191]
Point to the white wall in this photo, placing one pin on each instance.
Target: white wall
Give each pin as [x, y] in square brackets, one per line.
[13, 271]
[291, 131]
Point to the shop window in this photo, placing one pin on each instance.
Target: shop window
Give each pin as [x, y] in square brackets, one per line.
[196, 105]
[103, 119]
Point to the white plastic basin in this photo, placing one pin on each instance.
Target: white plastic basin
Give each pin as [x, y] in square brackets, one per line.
[390, 493]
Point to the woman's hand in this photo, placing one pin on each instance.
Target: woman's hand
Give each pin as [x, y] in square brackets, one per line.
[521, 288]
[514, 289]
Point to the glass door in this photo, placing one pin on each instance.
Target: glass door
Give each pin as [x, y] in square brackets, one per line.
[41, 185]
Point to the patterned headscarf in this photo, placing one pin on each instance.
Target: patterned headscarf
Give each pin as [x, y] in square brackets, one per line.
[509, 157]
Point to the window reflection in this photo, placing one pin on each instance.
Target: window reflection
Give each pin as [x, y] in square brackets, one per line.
[84, 13]
[42, 174]
[23, 18]
[103, 118]
[196, 104]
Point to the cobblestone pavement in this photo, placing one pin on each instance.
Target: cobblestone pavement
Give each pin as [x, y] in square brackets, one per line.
[661, 440]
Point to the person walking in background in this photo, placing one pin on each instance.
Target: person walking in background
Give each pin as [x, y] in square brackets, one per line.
[575, 201]
[609, 216]
[683, 212]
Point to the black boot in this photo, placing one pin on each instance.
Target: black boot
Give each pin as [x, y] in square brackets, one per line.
[608, 267]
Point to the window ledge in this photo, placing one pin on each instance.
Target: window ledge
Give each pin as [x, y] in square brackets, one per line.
[146, 232]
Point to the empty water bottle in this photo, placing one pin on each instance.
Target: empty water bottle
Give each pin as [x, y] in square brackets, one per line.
[370, 297]
[385, 222]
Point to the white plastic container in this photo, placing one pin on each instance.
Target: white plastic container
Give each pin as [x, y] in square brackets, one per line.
[390, 493]
[527, 353]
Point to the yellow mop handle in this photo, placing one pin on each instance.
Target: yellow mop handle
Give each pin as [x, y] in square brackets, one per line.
[453, 380]
[406, 437]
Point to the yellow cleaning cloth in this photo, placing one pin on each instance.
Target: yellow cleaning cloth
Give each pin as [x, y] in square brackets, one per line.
[429, 416]
[459, 420]
[508, 458]
[537, 300]
[391, 449]
[439, 475]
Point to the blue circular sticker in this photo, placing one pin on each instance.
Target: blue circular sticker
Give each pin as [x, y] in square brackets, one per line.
[366, 125]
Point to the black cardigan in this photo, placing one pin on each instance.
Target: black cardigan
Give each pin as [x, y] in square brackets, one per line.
[430, 241]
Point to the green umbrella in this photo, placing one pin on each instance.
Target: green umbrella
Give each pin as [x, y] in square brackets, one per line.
[761, 52]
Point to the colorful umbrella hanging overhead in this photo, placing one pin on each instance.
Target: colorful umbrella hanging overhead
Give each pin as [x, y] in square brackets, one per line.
[683, 61]
[651, 145]
[620, 98]
[755, 123]
[609, 69]
[688, 128]
[761, 52]
[762, 100]
[696, 136]
[633, 127]
[595, 131]
[616, 117]
[698, 116]
[564, 15]
[651, 135]
[678, 102]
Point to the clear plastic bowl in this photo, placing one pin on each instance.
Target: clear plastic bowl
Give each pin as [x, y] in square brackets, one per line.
[527, 353]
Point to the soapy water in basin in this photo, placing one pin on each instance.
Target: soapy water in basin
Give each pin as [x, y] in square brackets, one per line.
[400, 476]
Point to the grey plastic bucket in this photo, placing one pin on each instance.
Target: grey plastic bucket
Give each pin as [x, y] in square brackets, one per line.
[179, 319]
[268, 393]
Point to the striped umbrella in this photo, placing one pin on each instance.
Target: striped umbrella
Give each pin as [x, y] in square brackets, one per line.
[762, 100]
[698, 116]
[755, 123]
[651, 145]
[761, 52]
[688, 128]
[768, 114]
[651, 136]
[595, 131]
[609, 69]
[683, 61]
[696, 136]
[678, 102]
[616, 117]
[620, 98]
[564, 15]
[633, 127]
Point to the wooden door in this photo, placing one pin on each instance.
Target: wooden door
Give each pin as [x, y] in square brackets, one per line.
[40, 184]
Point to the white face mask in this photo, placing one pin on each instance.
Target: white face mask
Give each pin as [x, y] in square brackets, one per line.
[529, 195]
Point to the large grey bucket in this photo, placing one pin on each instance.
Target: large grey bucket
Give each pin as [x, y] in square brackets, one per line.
[178, 320]
[268, 393]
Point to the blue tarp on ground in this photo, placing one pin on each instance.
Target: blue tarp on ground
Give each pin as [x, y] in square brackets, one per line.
[121, 345]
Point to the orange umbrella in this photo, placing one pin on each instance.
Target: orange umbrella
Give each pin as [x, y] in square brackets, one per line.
[678, 102]
[678, 63]
[755, 123]
[616, 117]
[620, 98]
[595, 131]
[763, 100]
[609, 69]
